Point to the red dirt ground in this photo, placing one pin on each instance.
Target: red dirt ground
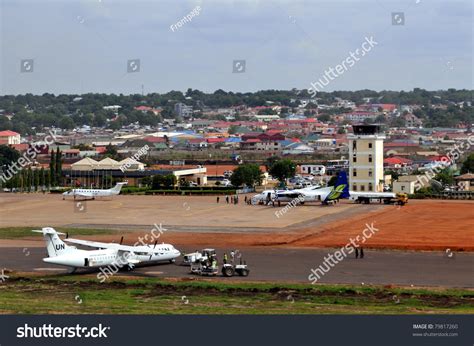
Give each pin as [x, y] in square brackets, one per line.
[420, 225]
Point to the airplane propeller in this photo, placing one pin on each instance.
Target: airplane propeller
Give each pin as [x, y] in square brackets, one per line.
[151, 255]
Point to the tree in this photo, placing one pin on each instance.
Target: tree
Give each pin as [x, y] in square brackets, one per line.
[52, 169]
[248, 174]
[111, 151]
[270, 161]
[42, 175]
[37, 179]
[324, 118]
[283, 169]
[166, 181]
[232, 129]
[8, 155]
[394, 174]
[157, 182]
[397, 122]
[59, 166]
[445, 177]
[169, 180]
[468, 165]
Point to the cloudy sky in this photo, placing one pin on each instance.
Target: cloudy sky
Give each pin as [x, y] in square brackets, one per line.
[84, 46]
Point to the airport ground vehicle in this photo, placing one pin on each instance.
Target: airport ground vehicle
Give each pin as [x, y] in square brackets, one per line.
[201, 267]
[192, 257]
[386, 198]
[205, 264]
[229, 269]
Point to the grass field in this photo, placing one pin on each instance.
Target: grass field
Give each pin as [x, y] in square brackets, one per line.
[22, 232]
[85, 295]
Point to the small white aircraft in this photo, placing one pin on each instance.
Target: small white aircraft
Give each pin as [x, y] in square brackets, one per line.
[265, 196]
[106, 254]
[311, 193]
[93, 193]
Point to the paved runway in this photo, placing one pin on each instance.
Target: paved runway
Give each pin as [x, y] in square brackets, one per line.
[294, 265]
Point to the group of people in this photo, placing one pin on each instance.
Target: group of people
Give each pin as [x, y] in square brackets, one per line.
[210, 262]
[233, 199]
[233, 253]
[359, 253]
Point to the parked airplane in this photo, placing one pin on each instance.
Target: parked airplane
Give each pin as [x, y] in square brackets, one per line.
[107, 254]
[93, 193]
[265, 196]
[314, 193]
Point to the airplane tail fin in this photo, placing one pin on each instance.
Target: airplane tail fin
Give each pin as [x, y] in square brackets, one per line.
[343, 184]
[341, 188]
[116, 189]
[54, 244]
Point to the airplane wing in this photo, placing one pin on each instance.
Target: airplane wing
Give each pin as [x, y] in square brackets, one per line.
[100, 245]
[306, 192]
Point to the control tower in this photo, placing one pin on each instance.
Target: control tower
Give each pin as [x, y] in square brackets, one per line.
[366, 158]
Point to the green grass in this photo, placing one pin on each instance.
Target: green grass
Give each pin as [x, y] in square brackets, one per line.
[86, 295]
[22, 232]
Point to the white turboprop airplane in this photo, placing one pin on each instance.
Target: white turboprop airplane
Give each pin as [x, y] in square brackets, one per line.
[265, 196]
[93, 193]
[107, 254]
[307, 194]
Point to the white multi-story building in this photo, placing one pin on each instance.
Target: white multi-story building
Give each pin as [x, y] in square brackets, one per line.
[183, 110]
[366, 158]
[10, 137]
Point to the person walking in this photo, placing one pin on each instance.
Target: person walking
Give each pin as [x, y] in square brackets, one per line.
[357, 252]
[227, 199]
[225, 258]
[217, 199]
[361, 252]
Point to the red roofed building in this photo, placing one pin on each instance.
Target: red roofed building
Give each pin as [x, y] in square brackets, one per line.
[145, 109]
[215, 140]
[11, 137]
[396, 162]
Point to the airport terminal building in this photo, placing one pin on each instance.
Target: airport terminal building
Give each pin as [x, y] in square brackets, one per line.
[89, 172]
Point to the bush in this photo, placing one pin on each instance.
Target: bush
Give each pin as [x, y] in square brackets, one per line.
[133, 189]
[58, 191]
[418, 195]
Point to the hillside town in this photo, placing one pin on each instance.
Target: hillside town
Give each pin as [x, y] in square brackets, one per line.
[202, 145]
